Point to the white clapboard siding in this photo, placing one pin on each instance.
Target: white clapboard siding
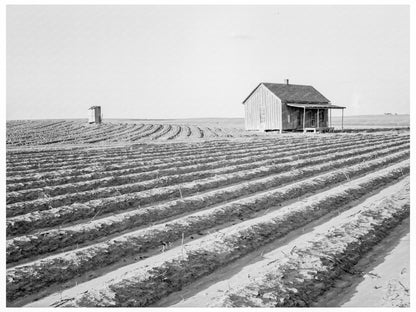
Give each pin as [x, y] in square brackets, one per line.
[273, 108]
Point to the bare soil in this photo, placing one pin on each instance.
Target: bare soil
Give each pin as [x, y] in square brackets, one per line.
[384, 279]
[209, 291]
[167, 233]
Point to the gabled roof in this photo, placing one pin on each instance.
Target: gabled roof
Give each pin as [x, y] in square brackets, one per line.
[290, 93]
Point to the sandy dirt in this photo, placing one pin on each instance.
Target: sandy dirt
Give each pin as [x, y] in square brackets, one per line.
[386, 276]
[139, 268]
[112, 275]
[209, 290]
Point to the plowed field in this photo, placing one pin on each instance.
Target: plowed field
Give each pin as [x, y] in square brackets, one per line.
[45, 132]
[252, 221]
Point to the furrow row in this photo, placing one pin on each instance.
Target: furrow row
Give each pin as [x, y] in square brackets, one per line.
[141, 152]
[297, 274]
[46, 216]
[147, 281]
[75, 132]
[133, 166]
[54, 239]
[213, 167]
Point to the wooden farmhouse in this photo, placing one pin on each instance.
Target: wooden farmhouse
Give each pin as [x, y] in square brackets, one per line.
[284, 106]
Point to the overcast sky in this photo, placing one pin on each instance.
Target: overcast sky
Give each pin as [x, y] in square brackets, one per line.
[201, 61]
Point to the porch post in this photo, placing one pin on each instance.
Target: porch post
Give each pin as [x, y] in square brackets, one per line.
[304, 113]
[330, 117]
[317, 114]
[342, 120]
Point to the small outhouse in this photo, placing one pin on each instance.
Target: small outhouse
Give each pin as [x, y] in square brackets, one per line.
[284, 106]
[94, 114]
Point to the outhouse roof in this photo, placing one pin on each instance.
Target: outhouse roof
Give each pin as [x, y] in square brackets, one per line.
[290, 93]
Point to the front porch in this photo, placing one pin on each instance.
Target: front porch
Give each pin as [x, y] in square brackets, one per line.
[315, 117]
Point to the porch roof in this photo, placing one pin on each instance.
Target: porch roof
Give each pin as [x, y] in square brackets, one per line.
[315, 106]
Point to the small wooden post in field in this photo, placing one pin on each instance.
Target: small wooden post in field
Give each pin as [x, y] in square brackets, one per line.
[180, 192]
